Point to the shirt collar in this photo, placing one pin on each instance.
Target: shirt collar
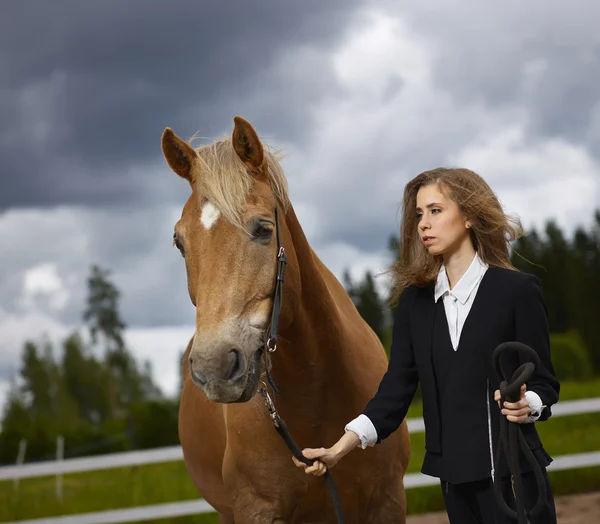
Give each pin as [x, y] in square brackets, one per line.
[467, 283]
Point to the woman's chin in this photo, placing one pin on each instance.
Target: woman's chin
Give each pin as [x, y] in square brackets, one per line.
[434, 250]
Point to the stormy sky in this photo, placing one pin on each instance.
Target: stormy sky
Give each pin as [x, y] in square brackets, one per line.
[360, 95]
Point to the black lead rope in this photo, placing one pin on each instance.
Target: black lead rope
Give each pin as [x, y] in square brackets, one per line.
[511, 437]
[284, 432]
[271, 347]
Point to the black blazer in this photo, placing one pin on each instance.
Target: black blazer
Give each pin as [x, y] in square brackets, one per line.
[509, 306]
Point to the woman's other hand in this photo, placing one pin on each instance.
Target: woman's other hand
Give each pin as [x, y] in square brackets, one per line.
[515, 411]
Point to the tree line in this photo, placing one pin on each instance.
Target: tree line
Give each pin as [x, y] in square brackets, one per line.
[93, 392]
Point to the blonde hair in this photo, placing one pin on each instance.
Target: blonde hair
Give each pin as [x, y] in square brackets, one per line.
[225, 180]
[491, 228]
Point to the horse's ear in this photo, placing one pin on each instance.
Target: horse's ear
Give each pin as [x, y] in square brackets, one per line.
[246, 143]
[179, 155]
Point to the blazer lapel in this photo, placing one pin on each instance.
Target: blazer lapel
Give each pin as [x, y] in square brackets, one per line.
[475, 320]
[425, 318]
[478, 324]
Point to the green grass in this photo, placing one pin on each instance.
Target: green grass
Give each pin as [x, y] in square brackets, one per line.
[97, 491]
[578, 390]
[169, 482]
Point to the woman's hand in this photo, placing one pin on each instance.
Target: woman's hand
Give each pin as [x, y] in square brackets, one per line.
[327, 457]
[324, 458]
[515, 411]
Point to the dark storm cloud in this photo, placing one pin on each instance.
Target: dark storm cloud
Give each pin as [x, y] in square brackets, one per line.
[544, 56]
[87, 88]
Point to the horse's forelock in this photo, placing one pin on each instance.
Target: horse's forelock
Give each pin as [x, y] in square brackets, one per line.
[224, 180]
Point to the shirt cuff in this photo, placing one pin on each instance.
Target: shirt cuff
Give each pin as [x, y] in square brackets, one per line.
[535, 405]
[365, 430]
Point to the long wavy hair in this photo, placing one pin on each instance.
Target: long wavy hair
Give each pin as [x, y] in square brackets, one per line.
[491, 230]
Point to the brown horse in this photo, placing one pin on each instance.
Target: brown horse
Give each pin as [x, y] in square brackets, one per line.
[327, 366]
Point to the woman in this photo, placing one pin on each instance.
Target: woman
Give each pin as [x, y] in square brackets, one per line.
[458, 298]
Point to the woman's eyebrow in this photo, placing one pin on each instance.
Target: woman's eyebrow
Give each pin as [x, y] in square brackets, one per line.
[429, 206]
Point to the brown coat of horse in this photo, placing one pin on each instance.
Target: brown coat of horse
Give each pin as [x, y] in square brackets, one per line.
[328, 362]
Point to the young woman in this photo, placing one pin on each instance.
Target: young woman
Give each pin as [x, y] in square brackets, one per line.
[458, 298]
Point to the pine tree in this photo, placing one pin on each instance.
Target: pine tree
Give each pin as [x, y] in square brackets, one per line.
[37, 375]
[102, 314]
[570, 274]
[16, 424]
[556, 262]
[83, 377]
[126, 383]
[367, 301]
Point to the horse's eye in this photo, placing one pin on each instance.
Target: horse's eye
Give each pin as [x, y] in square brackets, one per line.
[178, 245]
[263, 230]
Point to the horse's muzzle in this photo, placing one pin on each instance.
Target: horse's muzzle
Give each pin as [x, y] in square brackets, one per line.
[235, 380]
[231, 369]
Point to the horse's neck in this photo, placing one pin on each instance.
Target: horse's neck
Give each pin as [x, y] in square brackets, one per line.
[315, 339]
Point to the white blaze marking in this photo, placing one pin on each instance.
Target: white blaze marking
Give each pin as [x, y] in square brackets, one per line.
[210, 214]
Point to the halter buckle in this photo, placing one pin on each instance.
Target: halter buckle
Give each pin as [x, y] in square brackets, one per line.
[271, 345]
[270, 405]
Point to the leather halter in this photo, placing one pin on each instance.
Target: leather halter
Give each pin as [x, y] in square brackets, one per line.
[271, 341]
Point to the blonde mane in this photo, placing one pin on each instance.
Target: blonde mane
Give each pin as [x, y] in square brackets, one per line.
[224, 180]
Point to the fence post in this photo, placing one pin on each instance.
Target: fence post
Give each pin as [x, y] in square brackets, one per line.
[60, 448]
[20, 459]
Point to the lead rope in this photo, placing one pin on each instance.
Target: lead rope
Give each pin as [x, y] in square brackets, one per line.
[271, 347]
[511, 437]
[284, 432]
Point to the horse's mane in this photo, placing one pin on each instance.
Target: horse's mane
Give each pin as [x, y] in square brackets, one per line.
[225, 181]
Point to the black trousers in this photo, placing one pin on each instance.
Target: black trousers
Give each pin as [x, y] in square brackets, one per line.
[474, 502]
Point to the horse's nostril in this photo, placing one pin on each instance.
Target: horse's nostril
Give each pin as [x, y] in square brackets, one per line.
[236, 366]
[198, 376]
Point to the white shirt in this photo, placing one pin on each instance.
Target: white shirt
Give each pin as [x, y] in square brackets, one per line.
[457, 304]
[458, 301]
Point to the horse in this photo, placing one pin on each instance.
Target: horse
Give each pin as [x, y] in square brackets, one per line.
[327, 365]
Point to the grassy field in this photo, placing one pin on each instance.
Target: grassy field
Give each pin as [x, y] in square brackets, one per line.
[169, 482]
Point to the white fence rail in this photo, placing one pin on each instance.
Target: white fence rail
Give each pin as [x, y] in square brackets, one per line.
[139, 514]
[570, 407]
[80, 464]
[172, 453]
[195, 507]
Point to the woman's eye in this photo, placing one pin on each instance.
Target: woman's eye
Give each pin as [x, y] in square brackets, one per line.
[435, 210]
